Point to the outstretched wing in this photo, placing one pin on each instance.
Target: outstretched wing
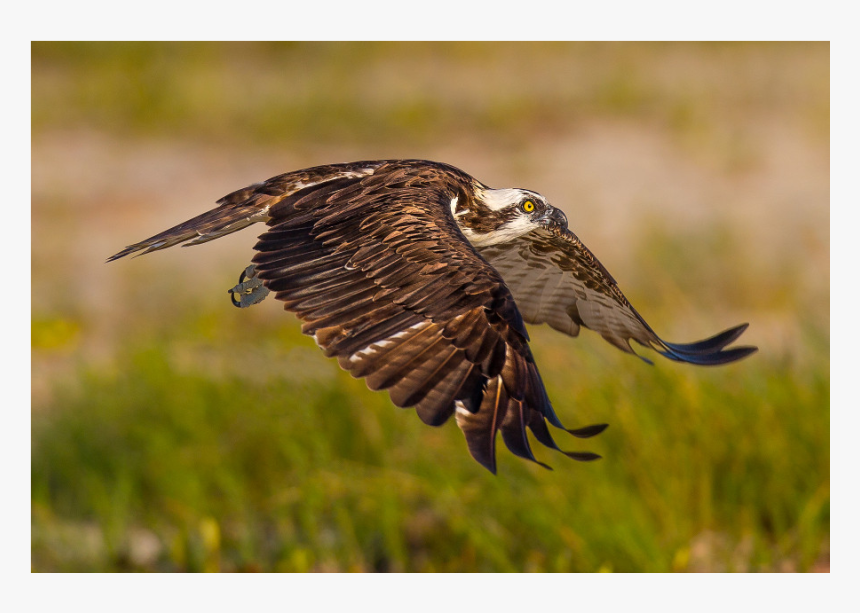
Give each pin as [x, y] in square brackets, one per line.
[379, 273]
[242, 208]
[368, 255]
[555, 279]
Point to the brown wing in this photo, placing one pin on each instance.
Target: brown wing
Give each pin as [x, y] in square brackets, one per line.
[556, 280]
[386, 283]
[246, 206]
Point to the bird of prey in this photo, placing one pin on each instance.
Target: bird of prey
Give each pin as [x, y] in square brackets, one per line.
[419, 278]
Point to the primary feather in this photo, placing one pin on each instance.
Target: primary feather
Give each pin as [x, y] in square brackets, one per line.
[419, 278]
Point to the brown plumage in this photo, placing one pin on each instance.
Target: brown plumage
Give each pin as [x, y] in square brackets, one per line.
[418, 278]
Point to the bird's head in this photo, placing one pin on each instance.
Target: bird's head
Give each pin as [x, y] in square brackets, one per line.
[500, 215]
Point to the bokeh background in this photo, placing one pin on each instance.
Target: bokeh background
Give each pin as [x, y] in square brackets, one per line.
[173, 432]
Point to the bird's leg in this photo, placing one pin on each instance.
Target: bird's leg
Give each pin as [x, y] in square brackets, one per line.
[249, 291]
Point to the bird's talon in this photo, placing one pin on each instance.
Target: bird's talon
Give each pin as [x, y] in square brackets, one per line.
[250, 291]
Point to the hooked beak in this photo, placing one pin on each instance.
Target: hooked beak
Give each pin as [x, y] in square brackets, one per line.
[554, 217]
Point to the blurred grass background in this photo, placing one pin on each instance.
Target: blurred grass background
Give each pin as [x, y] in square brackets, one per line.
[171, 431]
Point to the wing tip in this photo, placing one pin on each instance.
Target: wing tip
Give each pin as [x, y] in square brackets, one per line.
[588, 431]
[711, 351]
[582, 456]
[120, 254]
[489, 465]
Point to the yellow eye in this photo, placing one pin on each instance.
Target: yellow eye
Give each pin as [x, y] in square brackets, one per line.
[528, 206]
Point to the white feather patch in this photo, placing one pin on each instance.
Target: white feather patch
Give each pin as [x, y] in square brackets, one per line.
[385, 342]
[461, 408]
[454, 202]
[347, 174]
[498, 199]
[402, 333]
[511, 230]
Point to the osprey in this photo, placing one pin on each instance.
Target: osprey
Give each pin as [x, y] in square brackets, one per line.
[419, 278]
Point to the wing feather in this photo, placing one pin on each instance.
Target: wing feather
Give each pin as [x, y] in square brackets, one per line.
[583, 293]
[481, 426]
[514, 432]
[251, 204]
[377, 269]
[368, 255]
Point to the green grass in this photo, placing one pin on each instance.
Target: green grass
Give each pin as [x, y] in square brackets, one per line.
[169, 434]
[173, 459]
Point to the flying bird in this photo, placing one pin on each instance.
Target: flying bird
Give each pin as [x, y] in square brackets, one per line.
[419, 278]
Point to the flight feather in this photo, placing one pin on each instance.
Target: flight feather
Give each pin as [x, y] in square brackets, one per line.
[420, 279]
